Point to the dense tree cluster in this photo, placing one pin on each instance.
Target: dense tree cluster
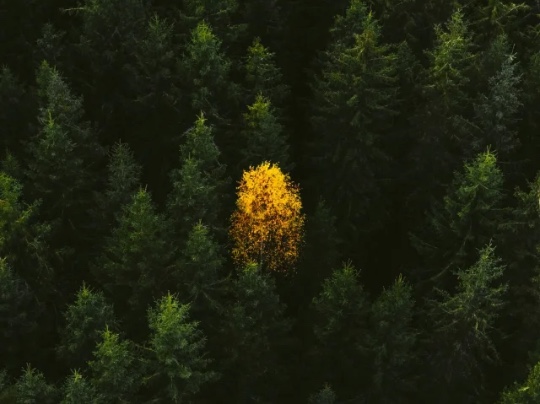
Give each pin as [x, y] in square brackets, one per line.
[269, 201]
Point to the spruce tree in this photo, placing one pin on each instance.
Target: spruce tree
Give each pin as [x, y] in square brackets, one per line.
[85, 320]
[77, 389]
[393, 344]
[256, 329]
[32, 388]
[352, 109]
[340, 327]
[178, 365]
[114, 368]
[137, 259]
[465, 220]
[198, 184]
[263, 135]
[464, 333]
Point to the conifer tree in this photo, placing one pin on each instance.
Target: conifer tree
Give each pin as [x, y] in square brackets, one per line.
[115, 370]
[496, 110]
[64, 154]
[19, 312]
[444, 125]
[137, 258]
[206, 71]
[262, 76]
[527, 393]
[219, 14]
[263, 136]
[23, 240]
[394, 340]
[123, 180]
[353, 106]
[464, 330]
[77, 389]
[199, 183]
[341, 332]
[85, 319]
[256, 330]
[200, 274]
[32, 388]
[15, 107]
[465, 220]
[178, 366]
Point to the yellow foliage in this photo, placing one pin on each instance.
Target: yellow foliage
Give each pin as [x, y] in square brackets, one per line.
[267, 224]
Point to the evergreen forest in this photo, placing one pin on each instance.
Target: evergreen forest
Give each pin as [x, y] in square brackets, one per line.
[270, 201]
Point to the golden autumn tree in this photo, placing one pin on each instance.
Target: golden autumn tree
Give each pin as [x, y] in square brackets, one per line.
[267, 224]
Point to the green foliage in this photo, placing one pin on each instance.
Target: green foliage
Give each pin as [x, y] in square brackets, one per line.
[394, 340]
[200, 270]
[352, 109]
[321, 252]
[263, 77]
[466, 220]
[18, 315]
[264, 137]
[218, 13]
[123, 180]
[325, 396]
[464, 328]
[255, 330]
[85, 318]
[527, 393]
[497, 111]
[23, 242]
[64, 152]
[206, 72]
[115, 369]
[341, 331]
[136, 260]
[78, 390]
[14, 110]
[197, 185]
[178, 364]
[32, 388]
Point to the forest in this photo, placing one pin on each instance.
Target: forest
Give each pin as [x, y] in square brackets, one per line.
[269, 201]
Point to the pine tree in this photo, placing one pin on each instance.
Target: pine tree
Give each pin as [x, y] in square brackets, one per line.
[206, 71]
[15, 107]
[178, 364]
[496, 111]
[464, 330]
[137, 259]
[263, 135]
[256, 331]
[443, 126]
[219, 14]
[464, 221]
[324, 396]
[353, 107]
[123, 180]
[115, 370]
[77, 389]
[341, 332]
[32, 388]
[23, 240]
[200, 274]
[394, 340]
[527, 393]
[85, 320]
[64, 154]
[199, 183]
[19, 312]
[262, 76]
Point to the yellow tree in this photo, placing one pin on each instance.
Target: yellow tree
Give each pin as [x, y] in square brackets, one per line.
[267, 224]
